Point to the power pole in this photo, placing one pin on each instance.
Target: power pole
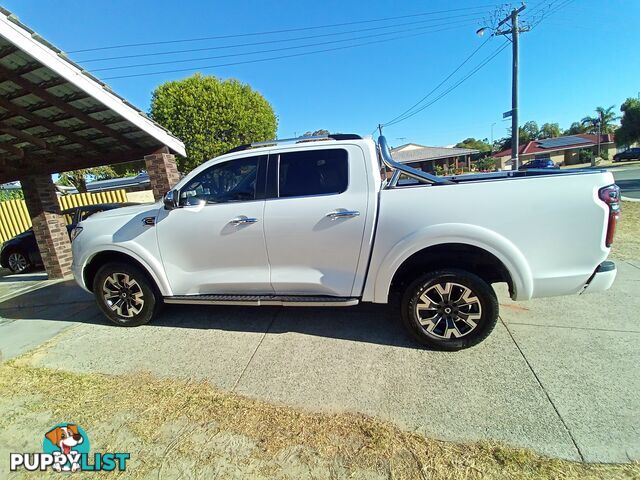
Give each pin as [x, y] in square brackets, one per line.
[514, 31]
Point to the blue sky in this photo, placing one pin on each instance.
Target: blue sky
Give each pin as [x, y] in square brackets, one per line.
[582, 56]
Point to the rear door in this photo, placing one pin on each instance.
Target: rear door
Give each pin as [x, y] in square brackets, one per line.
[315, 216]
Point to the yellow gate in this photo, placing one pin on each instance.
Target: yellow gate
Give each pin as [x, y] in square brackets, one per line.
[14, 216]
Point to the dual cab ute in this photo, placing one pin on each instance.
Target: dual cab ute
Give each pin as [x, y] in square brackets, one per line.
[334, 221]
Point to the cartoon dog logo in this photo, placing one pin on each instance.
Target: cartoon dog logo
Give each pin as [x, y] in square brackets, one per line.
[66, 437]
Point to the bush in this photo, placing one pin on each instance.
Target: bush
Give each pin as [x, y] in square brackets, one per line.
[212, 116]
[585, 156]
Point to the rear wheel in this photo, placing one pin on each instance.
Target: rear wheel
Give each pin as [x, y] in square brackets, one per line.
[449, 309]
[18, 262]
[125, 294]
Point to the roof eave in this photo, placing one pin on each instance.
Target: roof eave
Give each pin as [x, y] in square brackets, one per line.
[22, 39]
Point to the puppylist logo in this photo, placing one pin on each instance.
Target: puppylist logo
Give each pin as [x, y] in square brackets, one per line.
[66, 449]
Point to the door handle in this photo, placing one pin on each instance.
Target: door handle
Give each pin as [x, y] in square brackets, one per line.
[342, 214]
[242, 220]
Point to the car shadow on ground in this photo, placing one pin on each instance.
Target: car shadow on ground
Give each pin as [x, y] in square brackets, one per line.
[370, 323]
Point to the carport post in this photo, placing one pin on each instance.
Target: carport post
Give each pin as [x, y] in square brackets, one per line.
[48, 225]
[163, 172]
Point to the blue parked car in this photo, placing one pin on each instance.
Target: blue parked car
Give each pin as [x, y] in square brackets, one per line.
[21, 253]
[539, 163]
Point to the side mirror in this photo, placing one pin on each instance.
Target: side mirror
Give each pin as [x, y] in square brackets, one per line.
[170, 200]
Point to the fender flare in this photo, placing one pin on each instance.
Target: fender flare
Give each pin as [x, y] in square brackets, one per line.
[502, 248]
[150, 264]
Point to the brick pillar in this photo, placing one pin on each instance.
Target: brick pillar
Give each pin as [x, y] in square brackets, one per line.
[48, 225]
[163, 172]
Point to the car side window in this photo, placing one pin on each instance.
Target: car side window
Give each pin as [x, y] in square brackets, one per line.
[232, 181]
[314, 172]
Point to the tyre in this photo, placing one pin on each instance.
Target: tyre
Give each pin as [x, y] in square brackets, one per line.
[125, 294]
[18, 262]
[449, 309]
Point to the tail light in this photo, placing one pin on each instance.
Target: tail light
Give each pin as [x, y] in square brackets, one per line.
[611, 196]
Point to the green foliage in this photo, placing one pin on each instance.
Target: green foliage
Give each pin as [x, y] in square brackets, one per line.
[486, 164]
[585, 156]
[481, 145]
[549, 130]
[605, 118]
[629, 131]
[80, 178]
[575, 128]
[212, 116]
[529, 131]
[11, 195]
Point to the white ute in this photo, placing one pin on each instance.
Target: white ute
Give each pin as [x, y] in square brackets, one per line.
[334, 221]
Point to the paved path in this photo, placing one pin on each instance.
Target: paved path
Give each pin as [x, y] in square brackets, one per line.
[558, 375]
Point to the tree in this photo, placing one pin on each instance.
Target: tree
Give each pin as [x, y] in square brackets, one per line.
[529, 131]
[629, 131]
[79, 178]
[549, 130]
[575, 128]
[320, 132]
[605, 117]
[480, 145]
[212, 116]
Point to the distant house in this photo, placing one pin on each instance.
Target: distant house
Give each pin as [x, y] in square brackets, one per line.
[427, 158]
[562, 150]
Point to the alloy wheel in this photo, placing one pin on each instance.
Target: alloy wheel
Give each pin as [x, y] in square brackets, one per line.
[448, 310]
[123, 295]
[17, 262]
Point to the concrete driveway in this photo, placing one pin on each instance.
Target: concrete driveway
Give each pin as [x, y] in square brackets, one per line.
[557, 375]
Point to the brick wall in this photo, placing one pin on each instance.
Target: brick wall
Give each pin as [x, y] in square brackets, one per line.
[48, 225]
[163, 173]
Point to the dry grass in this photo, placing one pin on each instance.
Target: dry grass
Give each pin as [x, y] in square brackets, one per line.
[348, 445]
[626, 245]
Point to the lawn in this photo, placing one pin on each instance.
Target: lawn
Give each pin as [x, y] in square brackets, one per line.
[626, 245]
[183, 429]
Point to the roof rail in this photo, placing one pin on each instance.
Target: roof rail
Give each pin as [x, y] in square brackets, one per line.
[278, 141]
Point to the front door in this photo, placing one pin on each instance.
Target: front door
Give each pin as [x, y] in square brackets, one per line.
[315, 216]
[214, 242]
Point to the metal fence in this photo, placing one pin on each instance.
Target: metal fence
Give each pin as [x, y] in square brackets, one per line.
[14, 216]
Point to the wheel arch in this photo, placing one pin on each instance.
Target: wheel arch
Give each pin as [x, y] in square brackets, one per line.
[476, 249]
[102, 257]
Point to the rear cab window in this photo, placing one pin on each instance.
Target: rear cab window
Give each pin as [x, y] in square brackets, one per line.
[313, 172]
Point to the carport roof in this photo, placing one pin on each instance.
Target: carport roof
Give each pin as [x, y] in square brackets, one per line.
[55, 116]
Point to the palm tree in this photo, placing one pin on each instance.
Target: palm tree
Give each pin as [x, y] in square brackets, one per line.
[601, 123]
[604, 119]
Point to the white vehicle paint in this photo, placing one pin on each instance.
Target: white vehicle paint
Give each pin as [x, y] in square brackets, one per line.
[267, 242]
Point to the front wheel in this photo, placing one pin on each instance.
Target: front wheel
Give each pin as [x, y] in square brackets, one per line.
[449, 309]
[125, 294]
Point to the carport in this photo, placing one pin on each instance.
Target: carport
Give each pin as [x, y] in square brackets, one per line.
[56, 117]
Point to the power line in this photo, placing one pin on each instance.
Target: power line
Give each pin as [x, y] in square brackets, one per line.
[279, 57]
[441, 83]
[281, 40]
[173, 62]
[270, 32]
[456, 85]
[552, 8]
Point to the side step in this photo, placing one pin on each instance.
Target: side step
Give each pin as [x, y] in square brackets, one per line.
[258, 300]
